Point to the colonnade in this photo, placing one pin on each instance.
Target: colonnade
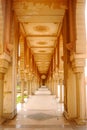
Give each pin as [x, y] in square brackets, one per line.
[66, 68]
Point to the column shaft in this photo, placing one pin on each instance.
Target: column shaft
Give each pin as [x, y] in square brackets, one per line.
[80, 92]
[61, 96]
[22, 91]
[1, 93]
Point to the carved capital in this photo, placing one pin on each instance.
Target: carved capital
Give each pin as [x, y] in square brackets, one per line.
[3, 65]
[22, 76]
[55, 76]
[61, 74]
[4, 62]
[1, 76]
[70, 46]
[30, 76]
[78, 62]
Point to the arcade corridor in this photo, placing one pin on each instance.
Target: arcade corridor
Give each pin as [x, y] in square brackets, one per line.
[43, 43]
[41, 111]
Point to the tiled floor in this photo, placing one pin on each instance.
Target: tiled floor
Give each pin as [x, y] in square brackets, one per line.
[40, 112]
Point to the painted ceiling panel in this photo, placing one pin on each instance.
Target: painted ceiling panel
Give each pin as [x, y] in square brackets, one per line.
[41, 22]
[36, 42]
[41, 28]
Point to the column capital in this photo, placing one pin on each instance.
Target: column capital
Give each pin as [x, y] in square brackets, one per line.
[5, 59]
[61, 81]
[55, 75]
[78, 62]
[61, 74]
[30, 76]
[22, 76]
[1, 76]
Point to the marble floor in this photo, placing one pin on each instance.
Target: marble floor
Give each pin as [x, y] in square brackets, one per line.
[40, 112]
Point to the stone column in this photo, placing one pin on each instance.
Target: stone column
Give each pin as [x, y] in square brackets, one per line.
[56, 88]
[22, 90]
[28, 88]
[1, 27]
[56, 84]
[29, 78]
[52, 86]
[78, 66]
[7, 88]
[80, 94]
[30, 85]
[1, 93]
[61, 90]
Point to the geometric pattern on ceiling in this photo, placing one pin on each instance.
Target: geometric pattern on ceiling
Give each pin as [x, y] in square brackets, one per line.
[41, 21]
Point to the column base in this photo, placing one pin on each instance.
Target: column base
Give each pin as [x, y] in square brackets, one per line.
[2, 120]
[80, 121]
[22, 101]
[10, 115]
[67, 116]
[61, 102]
[33, 93]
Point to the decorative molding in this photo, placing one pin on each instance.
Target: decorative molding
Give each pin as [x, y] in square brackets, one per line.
[77, 56]
[67, 116]
[78, 62]
[80, 121]
[5, 59]
[1, 76]
[9, 47]
[69, 46]
[62, 57]
[61, 75]
[5, 56]
[7, 92]
[10, 115]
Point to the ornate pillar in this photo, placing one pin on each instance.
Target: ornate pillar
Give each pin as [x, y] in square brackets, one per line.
[27, 87]
[56, 88]
[22, 83]
[22, 90]
[52, 87]
[1, 27]
[32, 84]
[4, 64]
[80, 92]
[61, 77]
[1, 93]
[56, 84]
[78, 64]
[61, 90]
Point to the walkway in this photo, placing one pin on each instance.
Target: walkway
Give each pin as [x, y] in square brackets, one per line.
[40, 112]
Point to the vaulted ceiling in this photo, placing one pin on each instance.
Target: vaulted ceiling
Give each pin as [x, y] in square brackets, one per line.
[41, 21]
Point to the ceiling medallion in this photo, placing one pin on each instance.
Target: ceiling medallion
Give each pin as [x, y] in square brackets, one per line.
[41, 43]
[43, 76]
[42, 51]
[41, 28]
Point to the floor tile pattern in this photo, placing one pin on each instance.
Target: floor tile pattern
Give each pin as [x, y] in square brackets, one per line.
[40, 112]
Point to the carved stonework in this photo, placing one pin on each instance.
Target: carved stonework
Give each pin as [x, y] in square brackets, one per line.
[4, 62]
[10, 115]
[9, 47]
[78, 62]
[69, 46]
[61, 74]
[22, 76]
[1, 76]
